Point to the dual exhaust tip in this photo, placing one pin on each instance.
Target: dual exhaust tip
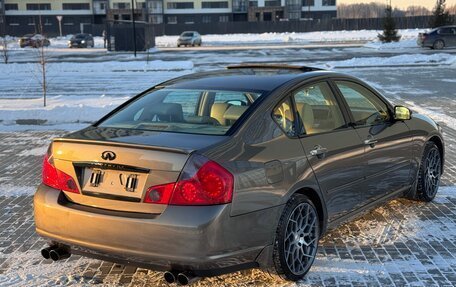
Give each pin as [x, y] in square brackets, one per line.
[183, 278]
[56, 253]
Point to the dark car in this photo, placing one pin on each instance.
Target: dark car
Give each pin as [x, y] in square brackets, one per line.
[242, 168]
[439, 38]
[34, 41]
[81, 41]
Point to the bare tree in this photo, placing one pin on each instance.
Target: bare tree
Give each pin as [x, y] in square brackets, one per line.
[417, 11]
[5, 50]
[376, 10]
[42, 62]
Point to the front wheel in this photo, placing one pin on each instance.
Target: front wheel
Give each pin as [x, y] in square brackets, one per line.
[297, 236]
[429, 174]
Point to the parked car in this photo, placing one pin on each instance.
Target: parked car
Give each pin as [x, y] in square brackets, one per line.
[220, 171]
[189, 38]
[438, 38]
[81, 41]
[34, 41]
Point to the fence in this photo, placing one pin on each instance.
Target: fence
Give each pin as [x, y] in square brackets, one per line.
[293, 26]
[335, 24]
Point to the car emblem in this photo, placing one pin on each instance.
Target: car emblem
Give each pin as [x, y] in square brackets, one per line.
[108, 155]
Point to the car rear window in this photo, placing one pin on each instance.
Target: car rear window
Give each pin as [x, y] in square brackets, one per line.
[186, 111]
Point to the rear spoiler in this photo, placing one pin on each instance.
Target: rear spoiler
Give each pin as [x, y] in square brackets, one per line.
[127, 145]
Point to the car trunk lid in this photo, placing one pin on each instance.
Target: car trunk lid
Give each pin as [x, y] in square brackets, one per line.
[114, 168]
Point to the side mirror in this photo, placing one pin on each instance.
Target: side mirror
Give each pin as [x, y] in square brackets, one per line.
[402, 113]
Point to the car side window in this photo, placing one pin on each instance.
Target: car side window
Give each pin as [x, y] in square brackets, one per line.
[365, 106]
[318, 109]
[283, 115]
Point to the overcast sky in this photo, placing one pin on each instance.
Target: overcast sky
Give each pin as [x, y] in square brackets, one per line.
[401, 3]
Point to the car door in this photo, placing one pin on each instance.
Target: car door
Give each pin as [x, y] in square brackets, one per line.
[387, 142]
[334, 150]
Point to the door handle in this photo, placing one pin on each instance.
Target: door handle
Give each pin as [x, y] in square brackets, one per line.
[319, 151]
[371, 141]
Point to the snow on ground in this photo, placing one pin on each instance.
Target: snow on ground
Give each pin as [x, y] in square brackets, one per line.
[401, 60]
[59, 110]
[25, 269]
[58, 42]
[280, 38]
[435, 115]
[403, 44]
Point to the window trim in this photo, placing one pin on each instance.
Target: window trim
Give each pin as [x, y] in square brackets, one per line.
[347, 107]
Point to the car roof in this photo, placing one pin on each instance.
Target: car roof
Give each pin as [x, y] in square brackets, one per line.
[260, 78]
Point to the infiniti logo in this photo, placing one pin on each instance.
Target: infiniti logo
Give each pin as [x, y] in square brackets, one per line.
[108, 155]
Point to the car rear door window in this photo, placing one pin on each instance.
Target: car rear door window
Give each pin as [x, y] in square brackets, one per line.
[365, 106]
[318, 109]
[283, 115]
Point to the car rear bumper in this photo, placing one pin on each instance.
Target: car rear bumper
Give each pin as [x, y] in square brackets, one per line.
[194, 238]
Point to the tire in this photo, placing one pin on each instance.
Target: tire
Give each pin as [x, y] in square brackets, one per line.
[296, 244]
[429, 173]
[439, 45]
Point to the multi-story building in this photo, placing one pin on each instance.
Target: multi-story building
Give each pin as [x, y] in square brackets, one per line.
[29, 16]
[32, 16]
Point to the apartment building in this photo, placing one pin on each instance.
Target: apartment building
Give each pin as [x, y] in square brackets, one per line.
[27, 15]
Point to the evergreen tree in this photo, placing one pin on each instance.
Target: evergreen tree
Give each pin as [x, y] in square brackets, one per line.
[440, 16]
[389, 27]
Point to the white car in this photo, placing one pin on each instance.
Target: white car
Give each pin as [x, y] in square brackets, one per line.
[189, 38]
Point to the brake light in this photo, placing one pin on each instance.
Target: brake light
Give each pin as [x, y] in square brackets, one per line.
[202, 182]
[55, 178]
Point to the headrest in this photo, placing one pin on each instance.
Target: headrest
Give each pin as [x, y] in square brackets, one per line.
[170, 112]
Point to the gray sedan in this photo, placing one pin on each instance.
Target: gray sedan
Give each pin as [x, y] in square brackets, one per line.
[439, 38]
[241, 168]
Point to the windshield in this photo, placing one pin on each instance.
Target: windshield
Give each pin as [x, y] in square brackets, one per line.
[185, 111]
[80, 36]
[187, 34]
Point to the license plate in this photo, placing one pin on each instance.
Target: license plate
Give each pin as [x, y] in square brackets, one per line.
[113, 182]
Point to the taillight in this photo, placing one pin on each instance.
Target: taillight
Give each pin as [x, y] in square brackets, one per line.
[159, 194]
[202, 182]
[55, 178]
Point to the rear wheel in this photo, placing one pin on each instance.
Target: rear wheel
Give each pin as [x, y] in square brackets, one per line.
[297, 238]
[439, 45]
[429, 174]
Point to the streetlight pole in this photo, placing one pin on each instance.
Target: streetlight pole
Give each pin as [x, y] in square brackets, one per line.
[134, 26]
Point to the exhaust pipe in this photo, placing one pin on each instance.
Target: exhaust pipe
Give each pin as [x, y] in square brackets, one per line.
[59, 253]
[170, 277]
[186, 278]
[46, 252]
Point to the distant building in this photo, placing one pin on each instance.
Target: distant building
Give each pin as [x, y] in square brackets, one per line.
[26, 15]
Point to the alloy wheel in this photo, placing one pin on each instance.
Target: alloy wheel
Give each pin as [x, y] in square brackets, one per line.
[301, 238]
[432, 173]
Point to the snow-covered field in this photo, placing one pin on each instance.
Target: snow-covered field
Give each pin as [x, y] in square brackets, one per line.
[289, 38]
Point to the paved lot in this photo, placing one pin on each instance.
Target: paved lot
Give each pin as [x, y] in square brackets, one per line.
[402, 243]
